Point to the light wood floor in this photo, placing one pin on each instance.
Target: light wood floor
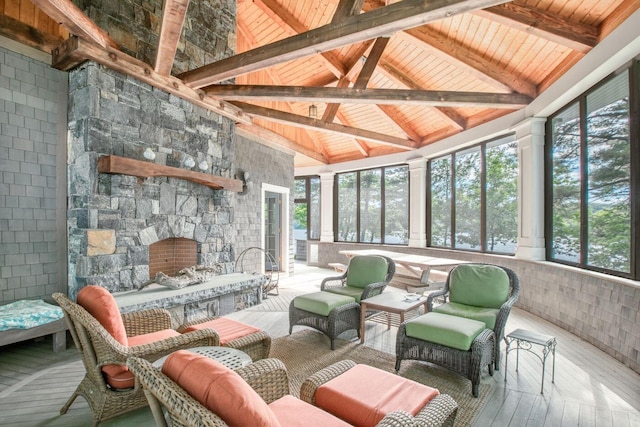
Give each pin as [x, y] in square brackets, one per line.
[590, 389]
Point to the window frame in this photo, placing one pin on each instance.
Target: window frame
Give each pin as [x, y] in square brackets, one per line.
[507, 139]
[336, 205]
[307, 200]
[633, 69]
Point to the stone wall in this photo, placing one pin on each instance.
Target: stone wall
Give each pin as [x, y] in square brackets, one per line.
[601, 309]
[208, 33]
[113, 218]
[29, 113]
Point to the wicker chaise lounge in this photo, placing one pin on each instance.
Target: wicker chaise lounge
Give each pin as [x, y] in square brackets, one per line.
[193, 393]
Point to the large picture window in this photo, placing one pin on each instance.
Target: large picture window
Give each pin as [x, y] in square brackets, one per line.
[590, 207]
[473, 198]
[372, 206]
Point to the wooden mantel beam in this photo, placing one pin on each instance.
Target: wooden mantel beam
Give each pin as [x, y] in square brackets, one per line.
[140, 169]
[353, 29]
[75, 50]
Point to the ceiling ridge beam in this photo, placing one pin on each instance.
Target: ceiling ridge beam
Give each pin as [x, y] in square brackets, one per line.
[368, 96]
[379, 22]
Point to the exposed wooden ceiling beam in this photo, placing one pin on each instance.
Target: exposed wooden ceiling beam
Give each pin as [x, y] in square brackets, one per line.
[173, 15]
[346, 8]
[246, 34]
[319, 125]
[76, 50]
[472, 62]
[288, 22]
[396, 121]
[26, 34]
[360, 145]
[74, 20]
[401, 79]
[332, 108]
[572, 34]
[369, 96]
[353, 29]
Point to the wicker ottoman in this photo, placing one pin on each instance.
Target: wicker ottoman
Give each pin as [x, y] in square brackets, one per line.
[460, 344]
[231, 333]
[329, 313]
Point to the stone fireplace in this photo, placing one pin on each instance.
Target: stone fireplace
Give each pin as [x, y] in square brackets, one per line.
[171, 255]
[114, 220]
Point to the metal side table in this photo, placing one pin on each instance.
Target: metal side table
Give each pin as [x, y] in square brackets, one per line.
[525, 340]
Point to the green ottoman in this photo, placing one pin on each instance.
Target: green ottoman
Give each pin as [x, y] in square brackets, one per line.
[329, 313]
[457, 343]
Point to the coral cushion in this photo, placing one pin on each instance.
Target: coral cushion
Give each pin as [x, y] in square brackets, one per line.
[219, 388]
[227, 329]
[100, 304]
[364, 395]
[119, 376]
[292, 412]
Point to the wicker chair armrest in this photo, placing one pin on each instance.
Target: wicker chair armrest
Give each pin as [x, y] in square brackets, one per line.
[155, 350]
[184, 326]
[311, 384]
[181, 406]
[334, 281]
[433, 295]
[373, 289]
[440, 411]
[146, 321]
[268, 377]
[398, 419]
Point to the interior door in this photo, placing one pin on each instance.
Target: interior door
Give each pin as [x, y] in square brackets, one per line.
[273, 231]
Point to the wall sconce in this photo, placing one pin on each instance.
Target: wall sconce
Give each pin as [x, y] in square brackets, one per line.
[313, 111]
[189, 162]
[247, 183]
[203, 165]
[149, 154]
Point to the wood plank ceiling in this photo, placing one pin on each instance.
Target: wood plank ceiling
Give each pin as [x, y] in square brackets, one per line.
[384, 76]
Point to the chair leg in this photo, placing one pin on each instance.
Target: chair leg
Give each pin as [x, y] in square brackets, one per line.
[67, 405]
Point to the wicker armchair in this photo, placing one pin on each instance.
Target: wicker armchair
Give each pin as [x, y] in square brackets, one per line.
[439, 411]
[99, 348]
[268, 377]
[362, 279]
[458, 304]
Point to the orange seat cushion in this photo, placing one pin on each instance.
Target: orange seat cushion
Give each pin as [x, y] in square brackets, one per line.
[363, 395]
[100, 304]
[292, 412]
[227, 329]
[219, 388]
[119, 376]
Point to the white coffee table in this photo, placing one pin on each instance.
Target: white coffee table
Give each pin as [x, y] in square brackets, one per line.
[230, 357]
[390, 302]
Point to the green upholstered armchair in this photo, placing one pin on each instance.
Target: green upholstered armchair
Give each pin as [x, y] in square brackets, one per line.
[481, 292]
[365, 277]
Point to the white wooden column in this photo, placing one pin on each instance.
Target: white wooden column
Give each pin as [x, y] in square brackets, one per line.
[326, 206]
[530, 136]
[417, 203]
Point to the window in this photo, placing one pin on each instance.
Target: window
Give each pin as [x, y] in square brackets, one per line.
[473, 198]
[372, 206]
[306, 215]
[590, 210]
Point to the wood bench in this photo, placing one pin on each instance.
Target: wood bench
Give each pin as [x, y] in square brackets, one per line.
[58, 329]
[338, 266]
